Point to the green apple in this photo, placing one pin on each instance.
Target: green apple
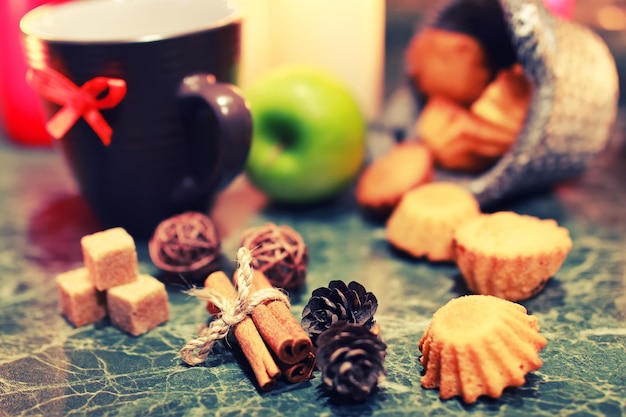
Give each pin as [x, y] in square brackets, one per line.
[308, 135]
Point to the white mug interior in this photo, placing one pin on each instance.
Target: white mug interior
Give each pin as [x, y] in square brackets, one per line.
[125, 20]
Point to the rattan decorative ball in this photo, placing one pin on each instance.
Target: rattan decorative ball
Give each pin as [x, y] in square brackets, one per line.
[187, 244]
[279, 252]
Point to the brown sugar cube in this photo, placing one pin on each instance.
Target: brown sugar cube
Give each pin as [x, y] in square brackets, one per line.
[450, 64]
[110, 257]
[383, 183]
[80, 302]
[459, 140]
[505, 101]
[138, 306]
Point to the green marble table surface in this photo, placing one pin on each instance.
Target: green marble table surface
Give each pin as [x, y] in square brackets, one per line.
[49, 368]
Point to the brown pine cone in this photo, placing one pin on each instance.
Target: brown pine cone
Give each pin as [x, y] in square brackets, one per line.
[351, 358]
[339, 302]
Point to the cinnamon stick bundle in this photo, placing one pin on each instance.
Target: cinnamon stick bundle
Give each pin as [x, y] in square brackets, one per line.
[281, 331]
[300, 371]
[265, 369]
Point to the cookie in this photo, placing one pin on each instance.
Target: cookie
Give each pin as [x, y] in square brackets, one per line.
[449, 64]
[460, 140]
[505, 101]
[385, 180]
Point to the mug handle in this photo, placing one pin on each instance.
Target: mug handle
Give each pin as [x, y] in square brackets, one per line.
[211, 109]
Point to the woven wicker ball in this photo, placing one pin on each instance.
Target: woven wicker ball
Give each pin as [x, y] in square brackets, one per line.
[279, 252]
[186, 244]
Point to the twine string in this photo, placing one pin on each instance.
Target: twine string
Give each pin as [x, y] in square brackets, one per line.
[231, 312]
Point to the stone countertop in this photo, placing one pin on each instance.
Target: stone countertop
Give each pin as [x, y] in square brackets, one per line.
[49, 368]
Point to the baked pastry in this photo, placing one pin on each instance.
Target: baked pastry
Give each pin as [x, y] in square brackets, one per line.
[505, 101]
[478, 345]
[426, 217]
[384, 181]
[450, 64]
[460, 140]
[510, 255]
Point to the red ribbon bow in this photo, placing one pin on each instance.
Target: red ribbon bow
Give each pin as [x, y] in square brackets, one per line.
[77, 101]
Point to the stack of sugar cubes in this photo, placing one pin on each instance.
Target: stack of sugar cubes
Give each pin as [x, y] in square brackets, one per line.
[110, 284]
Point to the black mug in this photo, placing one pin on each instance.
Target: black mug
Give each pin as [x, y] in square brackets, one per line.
[139, 94]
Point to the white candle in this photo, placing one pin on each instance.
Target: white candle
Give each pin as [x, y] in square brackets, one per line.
[345, 37]
[254, 40]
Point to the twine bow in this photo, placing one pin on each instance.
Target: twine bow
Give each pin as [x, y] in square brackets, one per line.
[86, 100]
[231, 312]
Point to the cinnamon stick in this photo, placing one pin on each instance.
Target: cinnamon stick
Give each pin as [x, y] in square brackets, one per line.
[265, 369]
[278, 327]
[300, 371]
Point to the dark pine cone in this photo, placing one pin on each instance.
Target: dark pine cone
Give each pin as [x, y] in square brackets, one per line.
[338, 302]
[351, 358]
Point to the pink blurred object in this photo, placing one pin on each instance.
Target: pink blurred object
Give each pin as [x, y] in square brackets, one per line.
[21, 112]
[561, 8]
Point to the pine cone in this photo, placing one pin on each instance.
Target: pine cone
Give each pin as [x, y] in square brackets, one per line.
[338, 302]
[351, 358]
